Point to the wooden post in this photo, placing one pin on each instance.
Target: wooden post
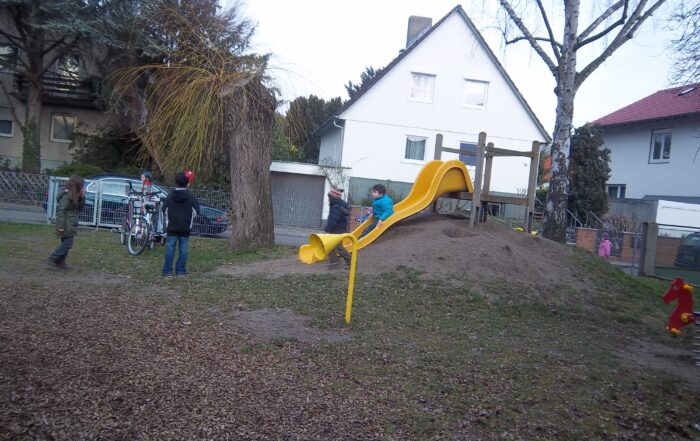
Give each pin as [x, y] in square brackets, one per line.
[487, 171]
[438, 146]
[486, 188]
[476, 199]
[532, 185]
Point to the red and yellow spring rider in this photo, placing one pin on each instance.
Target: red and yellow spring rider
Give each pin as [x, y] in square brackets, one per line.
[683, 314]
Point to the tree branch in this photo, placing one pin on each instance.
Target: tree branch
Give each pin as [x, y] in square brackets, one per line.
[580, 42]
[528, 36]
[53, 45]
[625, 34]
[592, 27]
[515, 40]
[15, 40]
[17, 19]
[57, 55]
[556, 47]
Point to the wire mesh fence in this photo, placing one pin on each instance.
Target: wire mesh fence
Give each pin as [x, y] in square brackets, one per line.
[677, 253]
[23, 188]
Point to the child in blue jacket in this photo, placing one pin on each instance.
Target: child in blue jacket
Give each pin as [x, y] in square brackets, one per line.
[382, 208]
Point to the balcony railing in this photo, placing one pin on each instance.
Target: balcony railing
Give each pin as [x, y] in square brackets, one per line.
[58, 90]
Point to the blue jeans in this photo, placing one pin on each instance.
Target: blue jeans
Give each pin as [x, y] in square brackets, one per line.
[181, 265]
[61, 252]
[369, 228]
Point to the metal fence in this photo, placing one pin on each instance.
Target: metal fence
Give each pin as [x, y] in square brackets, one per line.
[297, 201]
[23, 188]
[672, 251]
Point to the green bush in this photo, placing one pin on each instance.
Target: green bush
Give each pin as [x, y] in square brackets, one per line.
[77, 168]
[6, 165]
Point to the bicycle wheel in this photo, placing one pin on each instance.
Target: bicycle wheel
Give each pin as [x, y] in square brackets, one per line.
[124, 232]
[138, 235]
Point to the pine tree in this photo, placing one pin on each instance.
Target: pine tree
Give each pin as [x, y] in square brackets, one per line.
[589, 170]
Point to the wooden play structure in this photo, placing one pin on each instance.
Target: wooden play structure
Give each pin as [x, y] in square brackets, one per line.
[481, 196]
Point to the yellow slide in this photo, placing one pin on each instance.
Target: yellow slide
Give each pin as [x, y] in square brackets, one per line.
[434, 180]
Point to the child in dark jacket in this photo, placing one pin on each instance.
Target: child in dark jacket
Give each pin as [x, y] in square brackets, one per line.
[70, 201]
[180, 208]
[337, 224]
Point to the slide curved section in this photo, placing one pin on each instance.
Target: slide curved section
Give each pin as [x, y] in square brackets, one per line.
[434, 180]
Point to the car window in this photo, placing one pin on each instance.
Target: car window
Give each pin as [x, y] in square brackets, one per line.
[692, 240]
[119, 187]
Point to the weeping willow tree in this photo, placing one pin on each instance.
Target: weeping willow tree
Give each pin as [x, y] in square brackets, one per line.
[205, 103]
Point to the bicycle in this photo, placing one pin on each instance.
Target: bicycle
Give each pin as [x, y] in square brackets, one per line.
[138, 230]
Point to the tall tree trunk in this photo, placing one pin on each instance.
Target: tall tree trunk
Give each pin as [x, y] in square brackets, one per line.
[31, 146]
[558, 195]
[249, 124]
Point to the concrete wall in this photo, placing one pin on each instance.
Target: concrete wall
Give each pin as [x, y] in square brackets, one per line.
[378, 123]
[636, 210]
[630, 148]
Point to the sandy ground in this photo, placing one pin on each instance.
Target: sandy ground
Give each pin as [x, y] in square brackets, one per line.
[439, 245]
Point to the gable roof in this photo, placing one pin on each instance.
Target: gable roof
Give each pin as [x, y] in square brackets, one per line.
[403, 53]
[669, 103]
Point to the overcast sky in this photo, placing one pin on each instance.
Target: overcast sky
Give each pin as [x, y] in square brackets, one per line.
[320, 45]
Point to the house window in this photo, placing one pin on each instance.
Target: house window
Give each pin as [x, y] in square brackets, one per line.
[415, 148]
[68, 66]
[474, 94]
[422, 86]
[468, 159]
[8, 57]
[660, 146]
[62, 127]
[616, 191]
[6, 125]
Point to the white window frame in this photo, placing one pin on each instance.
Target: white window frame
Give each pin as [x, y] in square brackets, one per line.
[486, 93]
[661, 159]
[617, 188]
[66, 141]
[425, 150]
[428, 100]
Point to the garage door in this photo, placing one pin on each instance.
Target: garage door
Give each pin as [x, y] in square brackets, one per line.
[297, 199]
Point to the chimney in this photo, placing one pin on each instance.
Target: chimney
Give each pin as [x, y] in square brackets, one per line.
[416, 27]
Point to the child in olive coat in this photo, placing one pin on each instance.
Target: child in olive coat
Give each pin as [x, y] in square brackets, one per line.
[69, 203]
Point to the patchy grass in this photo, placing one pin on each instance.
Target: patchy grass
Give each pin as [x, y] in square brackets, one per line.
[431, 358]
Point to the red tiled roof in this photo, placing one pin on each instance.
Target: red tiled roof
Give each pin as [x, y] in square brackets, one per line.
[662, 104]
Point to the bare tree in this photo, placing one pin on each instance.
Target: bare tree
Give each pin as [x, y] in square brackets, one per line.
[615, 26]
[686, 48]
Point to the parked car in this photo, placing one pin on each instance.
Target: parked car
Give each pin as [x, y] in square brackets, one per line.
[688, 255]
[115, 189]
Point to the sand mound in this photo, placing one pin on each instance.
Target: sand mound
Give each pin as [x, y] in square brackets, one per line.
[442, 246]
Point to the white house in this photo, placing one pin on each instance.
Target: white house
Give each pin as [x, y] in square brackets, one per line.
[655, 146]
[446, 81]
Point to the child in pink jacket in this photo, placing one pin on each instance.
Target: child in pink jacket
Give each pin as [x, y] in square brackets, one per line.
[604, 248]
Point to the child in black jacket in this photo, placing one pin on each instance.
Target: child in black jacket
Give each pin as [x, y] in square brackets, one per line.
[338, 223]
[180, 208]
